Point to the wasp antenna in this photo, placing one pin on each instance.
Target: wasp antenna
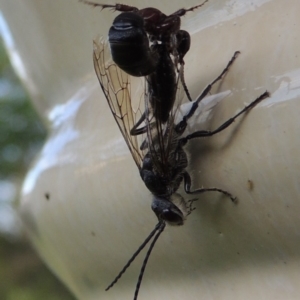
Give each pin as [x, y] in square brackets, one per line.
[160, 228]
[136, 253]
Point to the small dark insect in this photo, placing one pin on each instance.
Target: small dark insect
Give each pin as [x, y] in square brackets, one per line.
[142, 42]
[162, 162]
[132, 30]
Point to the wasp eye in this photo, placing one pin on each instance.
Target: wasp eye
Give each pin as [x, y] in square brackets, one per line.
[173, 218]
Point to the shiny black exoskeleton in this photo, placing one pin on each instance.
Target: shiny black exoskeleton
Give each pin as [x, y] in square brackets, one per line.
[163, 162]
[130, 36]
[142, 42]
[130, 46]
[132, 30]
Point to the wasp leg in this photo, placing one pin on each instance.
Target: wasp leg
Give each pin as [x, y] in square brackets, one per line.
[135, 130]
[181, 12]
[206, 133]
[117, 7]
[188, 183]
[180, 127]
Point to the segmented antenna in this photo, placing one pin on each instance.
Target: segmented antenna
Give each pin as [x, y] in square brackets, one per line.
[160, 226]
[160, 229]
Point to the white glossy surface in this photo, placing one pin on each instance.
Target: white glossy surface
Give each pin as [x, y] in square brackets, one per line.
[99, 210]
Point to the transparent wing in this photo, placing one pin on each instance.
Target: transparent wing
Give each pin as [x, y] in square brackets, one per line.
[125, 97]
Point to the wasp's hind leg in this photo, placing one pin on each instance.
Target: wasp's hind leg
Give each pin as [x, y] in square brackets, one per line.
[188, 183]
[180, 127]
[206, 133]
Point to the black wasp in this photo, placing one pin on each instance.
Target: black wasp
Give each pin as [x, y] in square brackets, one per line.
[142, 42]
[162, 162]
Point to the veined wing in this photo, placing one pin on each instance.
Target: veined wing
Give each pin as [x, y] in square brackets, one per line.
[126, 108]
[162, 138]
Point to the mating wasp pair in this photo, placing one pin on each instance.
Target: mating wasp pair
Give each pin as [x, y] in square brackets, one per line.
[146, 43]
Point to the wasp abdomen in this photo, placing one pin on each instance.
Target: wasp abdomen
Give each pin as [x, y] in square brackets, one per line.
[130, 47]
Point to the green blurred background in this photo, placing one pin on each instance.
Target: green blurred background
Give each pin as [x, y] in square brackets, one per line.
[23, 275]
